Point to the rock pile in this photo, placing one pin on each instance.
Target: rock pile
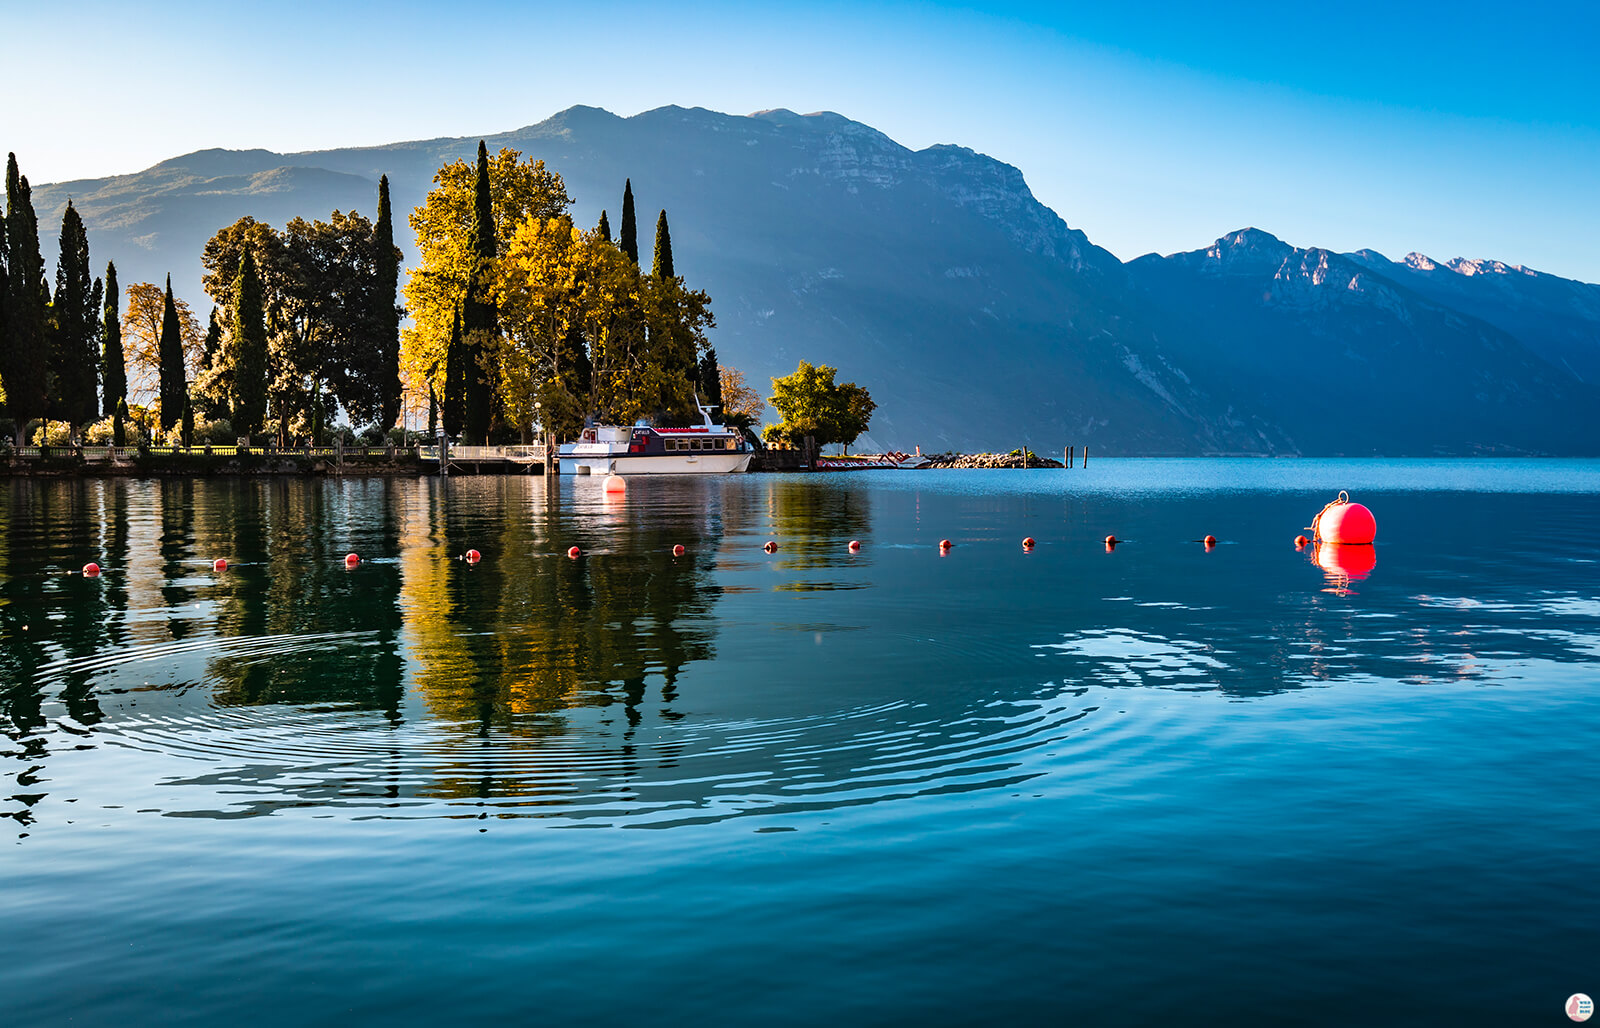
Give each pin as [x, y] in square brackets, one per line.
[1014, 459]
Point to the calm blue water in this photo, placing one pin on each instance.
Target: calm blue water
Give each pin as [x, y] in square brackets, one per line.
[1070, 785]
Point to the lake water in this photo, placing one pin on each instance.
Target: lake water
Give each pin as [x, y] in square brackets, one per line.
[1066, 785]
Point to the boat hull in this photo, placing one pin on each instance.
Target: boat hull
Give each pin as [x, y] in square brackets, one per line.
[702, 463]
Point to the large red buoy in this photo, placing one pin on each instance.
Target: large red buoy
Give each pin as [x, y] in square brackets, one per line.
[678, 550]
[1343, 522]
[574, 553]
[219, 565]
[1300, 542]
[473, 556]
[855, 546]
[1027, 544]
[616, 484]
[91, 570]
[351, 560]
[770, 547]
[1210, 541]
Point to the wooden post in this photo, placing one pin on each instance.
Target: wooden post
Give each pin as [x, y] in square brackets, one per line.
[1085, 454]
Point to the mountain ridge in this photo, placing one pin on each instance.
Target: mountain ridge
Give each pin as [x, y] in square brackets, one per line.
[976, 314]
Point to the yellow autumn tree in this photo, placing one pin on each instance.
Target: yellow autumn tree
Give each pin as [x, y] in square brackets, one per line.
[741, 405]
[519, 191]
[141, 335]
[586, 332]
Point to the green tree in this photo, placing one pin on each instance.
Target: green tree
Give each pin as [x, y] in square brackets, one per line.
[24, 352]
[74, 312]
[213, 383]
[814, 408]
[604, 228]
[708, 379]
[333, 292]
[480, 329]
[661, 268]
[113, 369]
[246, 350]
[384, 371]
[174, 377]
[629, 240]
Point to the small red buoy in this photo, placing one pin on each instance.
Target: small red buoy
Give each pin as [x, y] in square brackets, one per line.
[945, 544]
[771, 546]
[855, 545]
[351, 560]
[1210, 541]
[1300, 542]
[1112, 540]
[219, 565]
[1027, 544]
[574, 553]
[91, 570]
[473, 556]
[678, 550]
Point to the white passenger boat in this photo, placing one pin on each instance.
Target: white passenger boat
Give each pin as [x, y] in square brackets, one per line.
[705, 449]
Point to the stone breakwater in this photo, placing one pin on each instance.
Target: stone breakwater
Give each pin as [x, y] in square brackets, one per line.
[991, 460]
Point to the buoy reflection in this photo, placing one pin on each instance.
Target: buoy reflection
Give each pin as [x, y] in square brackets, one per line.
[1344, 563]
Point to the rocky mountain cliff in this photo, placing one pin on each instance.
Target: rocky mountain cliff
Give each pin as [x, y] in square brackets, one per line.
[976, 316]
[1348, 360]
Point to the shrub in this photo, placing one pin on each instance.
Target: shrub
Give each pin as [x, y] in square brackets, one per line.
[50, 433]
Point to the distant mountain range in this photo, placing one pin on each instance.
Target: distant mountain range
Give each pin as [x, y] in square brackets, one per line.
[977, 318]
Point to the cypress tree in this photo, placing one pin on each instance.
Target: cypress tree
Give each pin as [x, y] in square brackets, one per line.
[72, 361]
[604, 228]
[5, 291]
[248, 342]
[710, 376]
[629, 240]
[385, 313]
[454, 411]
[661, 269]
[119, 423]
[91, 320]
[24, 352]
[174, 386]
[113, 370]
[212, 388]
[479, 319]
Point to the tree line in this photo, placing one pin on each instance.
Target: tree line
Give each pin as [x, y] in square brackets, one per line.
[51, 343]
[520, 321]
[308, 326]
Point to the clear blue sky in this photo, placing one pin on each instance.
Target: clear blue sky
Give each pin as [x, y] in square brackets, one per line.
[1461, 129]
